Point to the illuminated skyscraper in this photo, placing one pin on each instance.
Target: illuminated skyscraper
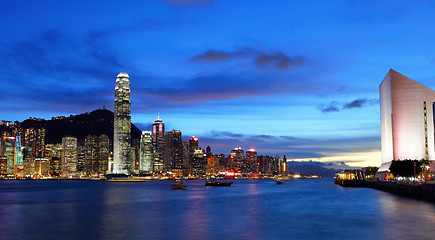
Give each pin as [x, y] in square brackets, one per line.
[122, 125]
[407, 119]
[173, 150]
[69, 156]
[250, 163]
[158, 144]
[193, 146]
[146, 152]
[237, 157]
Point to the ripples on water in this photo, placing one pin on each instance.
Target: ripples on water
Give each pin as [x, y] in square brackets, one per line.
[250, 209]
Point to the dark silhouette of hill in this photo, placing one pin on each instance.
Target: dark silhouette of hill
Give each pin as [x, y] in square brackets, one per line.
[97, 122]
[311, 167]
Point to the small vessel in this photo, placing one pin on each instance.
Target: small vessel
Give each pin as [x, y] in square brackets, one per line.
[178, 184]
[279, 182]
[217, 183]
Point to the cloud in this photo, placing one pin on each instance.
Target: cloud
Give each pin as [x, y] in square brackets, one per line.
[279, 60]
[56, 71]
[291, 147]
[331, 107]
[335, 106]
[276, 59]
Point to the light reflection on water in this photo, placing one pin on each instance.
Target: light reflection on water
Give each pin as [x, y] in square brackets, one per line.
[250, 209]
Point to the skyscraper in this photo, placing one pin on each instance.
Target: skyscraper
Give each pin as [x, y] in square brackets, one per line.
[69, 156]
[173, 150]
[237, 157]
[250, 163]
[146, 152]
[158, 144]
[122, 125]
[193, 146]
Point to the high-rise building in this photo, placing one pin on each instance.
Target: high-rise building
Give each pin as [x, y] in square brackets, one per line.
[69, 156]
[237, 157]
[146, 152]
[250, 163]
[173, 150]
[135, 156]
[199, 163]
[122, 125]
[158, 144]
[193, 146]
[81, 156]
[96, 154]
[407, 119]
[186, 154]
[55, 167]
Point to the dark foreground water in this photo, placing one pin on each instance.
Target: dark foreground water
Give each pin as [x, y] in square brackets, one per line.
[250, 209]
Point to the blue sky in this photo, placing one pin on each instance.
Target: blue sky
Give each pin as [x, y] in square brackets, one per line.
[294, 78]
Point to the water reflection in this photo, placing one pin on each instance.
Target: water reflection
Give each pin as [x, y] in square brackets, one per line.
[306, 209]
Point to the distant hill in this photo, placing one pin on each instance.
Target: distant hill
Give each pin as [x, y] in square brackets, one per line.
[311, 167]
[97, 122]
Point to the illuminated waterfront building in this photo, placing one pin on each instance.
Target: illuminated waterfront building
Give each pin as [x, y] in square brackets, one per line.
[69, 156]
[212, 166]
[186, 155]
[193, 146]
[122, 125]
[96, 154]
[81, 156]
[237, 158]
[146, 152]
[250, 163]
[135, 155]
[55, 167]
[158, 144]
[173, 150]
[407, 119]
[199, 163]
[35, 139]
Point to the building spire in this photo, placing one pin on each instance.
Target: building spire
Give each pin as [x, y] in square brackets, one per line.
[158, 115]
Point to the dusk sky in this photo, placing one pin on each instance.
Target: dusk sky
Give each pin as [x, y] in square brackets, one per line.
[294, 78]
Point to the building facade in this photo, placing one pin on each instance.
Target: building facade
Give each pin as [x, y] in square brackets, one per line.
[158, 144]
[122, 125]
[407, 119]
[146, 152]
[173, 150]
[69, 156]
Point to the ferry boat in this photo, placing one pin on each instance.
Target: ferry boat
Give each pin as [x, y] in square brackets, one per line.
[178, 184]
[217, 183]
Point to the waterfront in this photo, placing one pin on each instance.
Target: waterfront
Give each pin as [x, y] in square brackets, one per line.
[250, 209]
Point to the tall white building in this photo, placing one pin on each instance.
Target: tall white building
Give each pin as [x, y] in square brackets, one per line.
[407, 119]
[122, 125]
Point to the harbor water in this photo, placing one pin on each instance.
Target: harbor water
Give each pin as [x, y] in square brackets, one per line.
[249, 209]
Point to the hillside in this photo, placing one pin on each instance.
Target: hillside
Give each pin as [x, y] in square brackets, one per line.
[97, 122]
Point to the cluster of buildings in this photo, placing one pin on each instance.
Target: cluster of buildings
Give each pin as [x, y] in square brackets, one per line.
[23, 152]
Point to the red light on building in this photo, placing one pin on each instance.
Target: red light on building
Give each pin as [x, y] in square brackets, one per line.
[194, 139]
[230, 174]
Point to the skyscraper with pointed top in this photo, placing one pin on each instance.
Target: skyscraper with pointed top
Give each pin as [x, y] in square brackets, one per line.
[158, 144]
[122, 125]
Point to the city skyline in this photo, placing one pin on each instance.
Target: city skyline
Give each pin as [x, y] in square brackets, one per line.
[289, 78]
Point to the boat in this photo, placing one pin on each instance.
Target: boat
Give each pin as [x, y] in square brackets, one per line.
[217, 183]
[279, 182]
[114, 177]
[178, 184]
